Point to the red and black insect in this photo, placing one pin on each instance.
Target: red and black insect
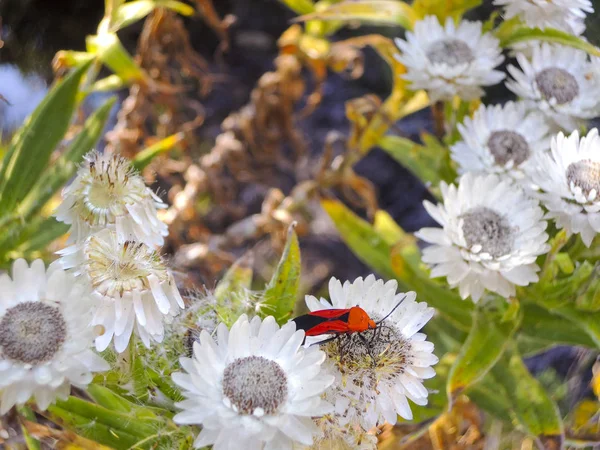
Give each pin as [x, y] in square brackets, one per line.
[335, 321]
[339, 323]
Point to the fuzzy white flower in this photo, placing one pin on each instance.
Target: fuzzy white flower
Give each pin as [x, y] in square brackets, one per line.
[492, 234]
[569, 178]
[369, 391]
[564, 15]
[556, 82]
[501, 139]
[45, 337]
[450, 60]
[254, 388]
[108, 192]
[131, 284]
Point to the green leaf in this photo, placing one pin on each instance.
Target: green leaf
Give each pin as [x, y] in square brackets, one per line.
[65, 167]
[429, 163]
[108, 426]
[145, 157]
[522, 34]
[368, 245]
[444, 8]
[131, 12]
[374, 12]
[540, 323]
[83, 425]
[530, 404]
[231, 292]
[38, 234]
[280, 294]
[300, 6]
[31, 147]
[108, 48]
[485, 344]
[30, 441]
[489, 395]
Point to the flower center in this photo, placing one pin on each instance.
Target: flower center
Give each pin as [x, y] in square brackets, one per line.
[383, 349]
[121, 267]
[557, 84]
[508, 146]
[255, 382]
[585, 175]
[485, 228]
[100, 196]
[450, 51]
[32, 332]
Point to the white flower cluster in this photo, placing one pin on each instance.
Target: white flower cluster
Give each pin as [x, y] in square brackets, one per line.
[516, 172]
[114, 233]
[110, 281]
[258, 385]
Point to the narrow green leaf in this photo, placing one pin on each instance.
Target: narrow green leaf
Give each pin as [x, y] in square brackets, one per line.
[232, 290]
[374, 12]
[540, 323]
[145, 157]
[125, 423]
[522, 34]
[131, 12]
[109, 399]
[108, 48]
[444, 8]
[280, 294]
[430, 163]
[485, 343]
[489, 395]
[96, 431]
[30, 441]
[38, 234]
[300, 6]
[368, 245]
[531, 405]
[31, 147]
[65, 167]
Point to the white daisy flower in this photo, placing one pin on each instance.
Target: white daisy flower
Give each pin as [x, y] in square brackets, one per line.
[255, 385]
[564, 15]
[569, 179]
[45, 337]
[450, 60]
[492, 234]
[501, 139]
[369, 391]
[556, 82]
[131, 284]
[108, 192]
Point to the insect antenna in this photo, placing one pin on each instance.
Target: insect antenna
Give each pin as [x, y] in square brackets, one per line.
[393, 309]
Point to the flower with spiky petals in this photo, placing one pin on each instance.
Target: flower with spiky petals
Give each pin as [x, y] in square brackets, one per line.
[564, 15]
[556, 82]
[109, 193]
[569, 180]
[45, 337]
[450, 60]
[376, 375]
[492, 234]
[131, 284]
[255, 385]
[501, 139]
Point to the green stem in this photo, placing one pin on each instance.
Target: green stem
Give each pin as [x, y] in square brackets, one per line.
[26, 413]
[557, 243]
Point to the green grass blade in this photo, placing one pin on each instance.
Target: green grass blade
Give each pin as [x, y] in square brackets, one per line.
[32, 146]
